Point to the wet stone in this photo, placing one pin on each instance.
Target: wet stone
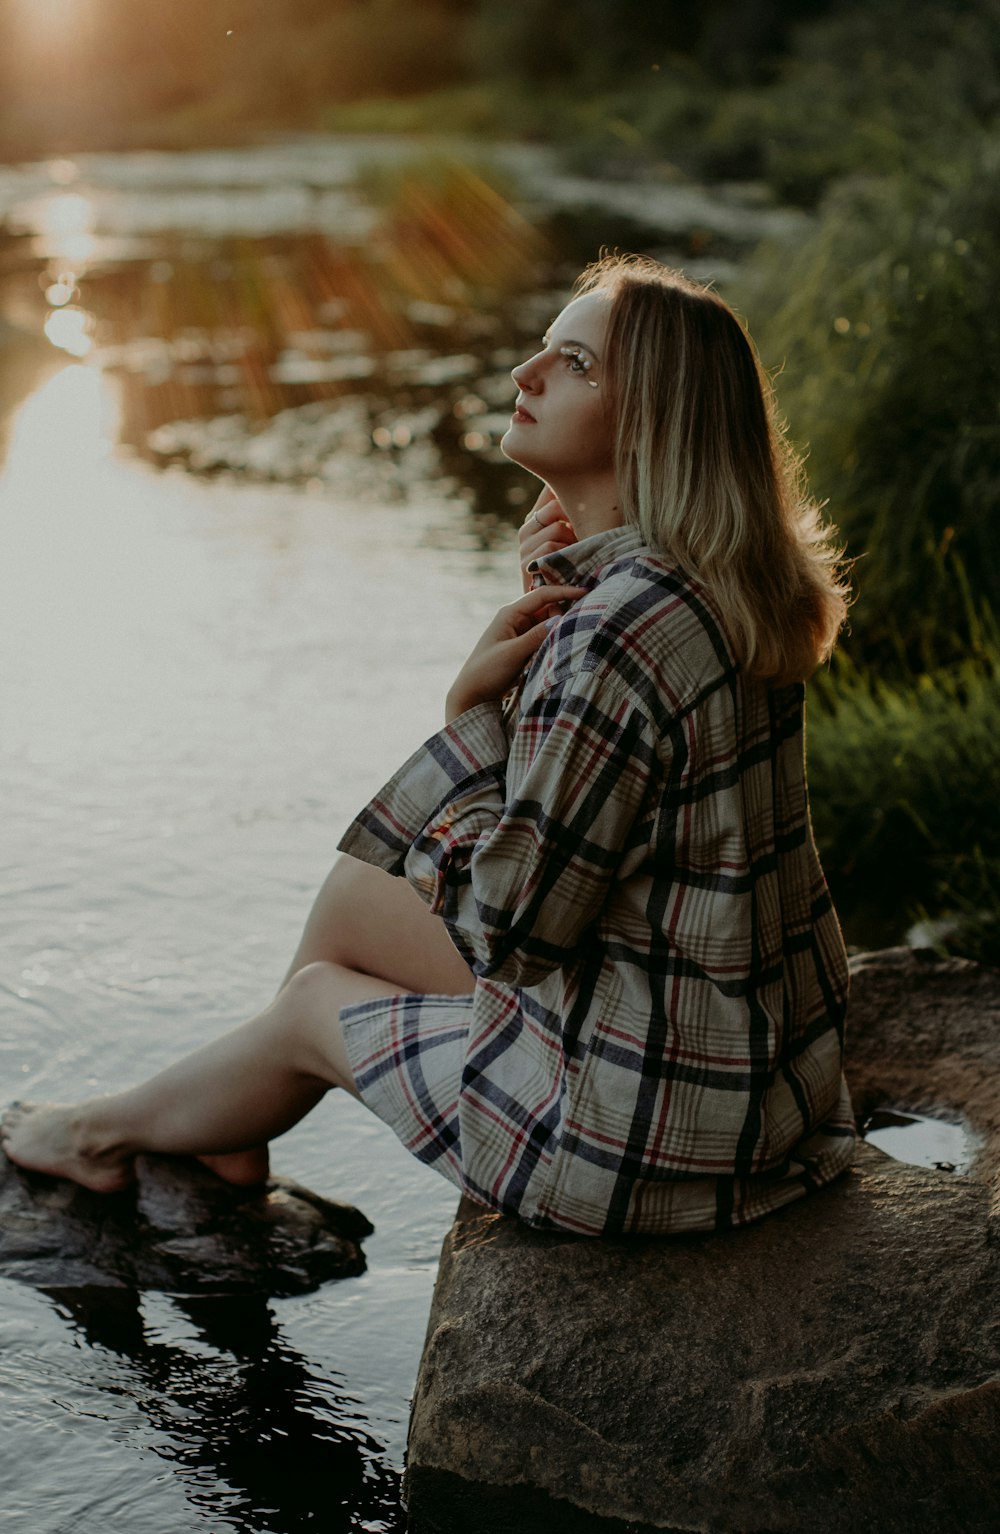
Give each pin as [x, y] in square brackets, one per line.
[180, 1229]
[835, 1367]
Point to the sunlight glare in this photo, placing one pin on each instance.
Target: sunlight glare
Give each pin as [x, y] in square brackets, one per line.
[86, 578]
[62, 171]
[66, 425]
[66, 213]
[69, 329]
[66, 222]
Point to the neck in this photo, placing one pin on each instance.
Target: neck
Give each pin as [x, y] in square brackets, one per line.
[592, 505]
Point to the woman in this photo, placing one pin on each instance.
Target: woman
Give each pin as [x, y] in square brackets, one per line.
[579, 952]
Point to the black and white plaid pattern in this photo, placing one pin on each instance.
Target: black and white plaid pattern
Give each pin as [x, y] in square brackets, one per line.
[655, 1039]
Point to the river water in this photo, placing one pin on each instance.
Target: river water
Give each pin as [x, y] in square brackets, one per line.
[251, 515]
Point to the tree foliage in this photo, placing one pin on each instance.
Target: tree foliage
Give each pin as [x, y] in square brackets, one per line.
[114, 64]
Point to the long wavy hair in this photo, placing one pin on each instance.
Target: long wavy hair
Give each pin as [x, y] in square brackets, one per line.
[705, 472]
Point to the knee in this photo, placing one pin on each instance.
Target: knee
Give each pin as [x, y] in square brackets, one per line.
[311, 1003]
[313, 988]
[307, 1003]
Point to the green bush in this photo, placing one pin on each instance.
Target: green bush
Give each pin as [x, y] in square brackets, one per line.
[885, 329]
[880, 88]
[903, 783]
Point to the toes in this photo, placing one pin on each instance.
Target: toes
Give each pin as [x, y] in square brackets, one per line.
[13, 1117]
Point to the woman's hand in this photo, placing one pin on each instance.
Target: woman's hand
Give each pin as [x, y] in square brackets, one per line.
[506, 647]
[546, 530]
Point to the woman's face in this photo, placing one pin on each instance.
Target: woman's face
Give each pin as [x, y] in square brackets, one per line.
[561, 425]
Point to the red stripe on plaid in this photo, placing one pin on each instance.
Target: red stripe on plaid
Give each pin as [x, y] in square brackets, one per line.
[635, 761]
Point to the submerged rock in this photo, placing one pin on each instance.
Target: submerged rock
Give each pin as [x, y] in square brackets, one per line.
[179, 1228]
[835, 1367]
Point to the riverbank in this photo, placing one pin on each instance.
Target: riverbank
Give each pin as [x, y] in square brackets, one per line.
[797, 97]
[342, 313]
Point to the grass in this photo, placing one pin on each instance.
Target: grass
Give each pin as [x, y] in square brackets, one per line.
[905, 809]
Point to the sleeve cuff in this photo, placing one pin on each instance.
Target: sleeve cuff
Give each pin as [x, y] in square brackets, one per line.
[473, 747]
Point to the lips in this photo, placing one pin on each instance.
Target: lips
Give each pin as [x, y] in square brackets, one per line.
[520, 414]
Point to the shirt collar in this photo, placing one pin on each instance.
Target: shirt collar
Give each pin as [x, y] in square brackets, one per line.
[581, 564]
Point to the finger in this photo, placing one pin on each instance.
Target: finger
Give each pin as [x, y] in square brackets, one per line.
[545, 510]
[523, 646]
[557, 527]
[528, 534]
[534, 600]
[524, 610]
[545, 499]
[550, 546]
[548, 539]
[531, 530]
[559, 533]
[537, 603]
[516, 619]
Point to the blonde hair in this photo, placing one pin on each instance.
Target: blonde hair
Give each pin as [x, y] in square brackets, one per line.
[705, 472]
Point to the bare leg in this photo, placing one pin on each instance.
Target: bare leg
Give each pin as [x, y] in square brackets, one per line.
[232, 1096]
[373, 924]
[368, 921]
[368, 935]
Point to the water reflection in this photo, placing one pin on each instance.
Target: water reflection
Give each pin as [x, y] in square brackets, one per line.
[255, 1439]
[65, 224]
[339, 315]
[65, 428]
[945, 1145]
[292, 357]
[61, 291]
[252, 316]
[69, 329]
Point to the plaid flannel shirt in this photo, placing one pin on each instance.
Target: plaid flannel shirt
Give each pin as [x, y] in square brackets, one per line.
[626, 863]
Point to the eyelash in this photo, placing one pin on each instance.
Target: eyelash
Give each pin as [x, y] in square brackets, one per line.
[579, 364]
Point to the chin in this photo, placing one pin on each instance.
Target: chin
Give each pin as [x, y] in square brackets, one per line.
[509, 448]
[519, 452]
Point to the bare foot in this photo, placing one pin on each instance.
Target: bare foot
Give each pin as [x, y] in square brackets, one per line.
[60, 1141]
[244, 1168]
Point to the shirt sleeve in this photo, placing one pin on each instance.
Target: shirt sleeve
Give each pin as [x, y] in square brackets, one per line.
[515, 843]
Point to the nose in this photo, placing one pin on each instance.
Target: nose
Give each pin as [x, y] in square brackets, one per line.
[526, 375]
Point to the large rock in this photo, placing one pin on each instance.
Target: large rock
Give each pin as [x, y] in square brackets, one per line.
[179, 1228]
[836, 1367]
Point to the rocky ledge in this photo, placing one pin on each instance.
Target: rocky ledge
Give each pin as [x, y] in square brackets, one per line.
[179, 1228]
[834, 1368]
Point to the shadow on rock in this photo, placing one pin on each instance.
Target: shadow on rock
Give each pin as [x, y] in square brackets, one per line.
[179, 1228]
[835, 1367]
